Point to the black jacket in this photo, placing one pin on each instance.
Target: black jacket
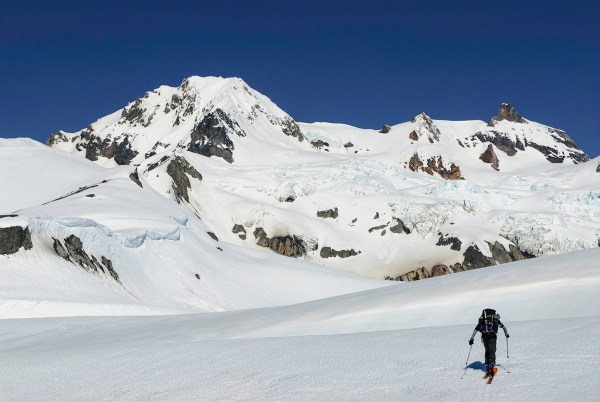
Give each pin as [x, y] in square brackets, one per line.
[481, 327]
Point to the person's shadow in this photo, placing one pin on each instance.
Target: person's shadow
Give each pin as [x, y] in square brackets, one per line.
[477, 366]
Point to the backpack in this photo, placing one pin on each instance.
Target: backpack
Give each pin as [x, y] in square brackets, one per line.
[489, 321]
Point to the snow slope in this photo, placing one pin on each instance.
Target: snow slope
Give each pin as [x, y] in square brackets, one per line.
[165, 259]
[404, 342]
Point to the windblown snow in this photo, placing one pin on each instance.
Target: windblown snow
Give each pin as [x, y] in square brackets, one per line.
[200, 244]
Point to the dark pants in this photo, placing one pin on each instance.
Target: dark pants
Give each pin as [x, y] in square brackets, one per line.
[490, 352]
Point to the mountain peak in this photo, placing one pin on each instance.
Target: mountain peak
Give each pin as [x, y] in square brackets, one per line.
[507, 112]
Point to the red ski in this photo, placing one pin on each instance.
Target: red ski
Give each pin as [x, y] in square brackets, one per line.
[491, 377]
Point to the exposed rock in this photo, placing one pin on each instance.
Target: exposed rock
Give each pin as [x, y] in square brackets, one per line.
[8, 216]
[119, 149]
[378, 228]
[502, 256]
[508, 113]
[135, 178]
[385, 129]
[154, 165]
[71, 249]
[56, 137]
[415, 163]
[376, 215]
[240, 231]
[489, 156]
[501, 141]
[289, 246]
[12, 238]
[197, 276]
[136, 114]
[330, 213]
[209, 137]
[474, 259]
[328, 252]
[458, 267]
[435, 165]
[453, 241]
[291, 128]
[426, 127]
[319, 144]
[179, 169]
[348, 145]
[154, 149]
[598, 168]
[417, 274]
[439, 270]
[79, 190]
[214, 236]
[290, 198]
[399, 227]
[413, 136]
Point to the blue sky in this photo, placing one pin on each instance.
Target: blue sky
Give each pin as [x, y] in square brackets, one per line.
[64, 64]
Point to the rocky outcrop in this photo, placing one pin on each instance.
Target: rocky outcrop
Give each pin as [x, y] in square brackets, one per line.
[455, 243]
[385, 129]
[179, 169]
[399, 227]
[13, 238]
[426, 128]
[329, 213]
[502, 256]
[439, 270]
[135, 178]
[71, 249]
[291, 128]
[289, 246]
[240, 231]
[119, 149]
[136, 114]
[598, 168]
[413, 136]
[508, 113]
[474, 258]
[417, 274]
[377, 228]
[210, 136]
[501, 141]
[489, 156]
[348, 145]
[328, 252]
[55, 138]
[435, 165]
[319, 144]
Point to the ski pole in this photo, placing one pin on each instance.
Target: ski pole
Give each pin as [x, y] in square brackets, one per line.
[467, 362]
[507, 358]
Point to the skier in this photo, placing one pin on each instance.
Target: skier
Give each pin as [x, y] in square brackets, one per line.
[488, 326]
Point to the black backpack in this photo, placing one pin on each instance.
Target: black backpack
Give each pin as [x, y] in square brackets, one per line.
[489, 321]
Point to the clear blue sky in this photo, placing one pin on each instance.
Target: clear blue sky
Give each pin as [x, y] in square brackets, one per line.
[64, 64]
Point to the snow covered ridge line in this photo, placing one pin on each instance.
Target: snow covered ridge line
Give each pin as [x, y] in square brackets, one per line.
[214, 117]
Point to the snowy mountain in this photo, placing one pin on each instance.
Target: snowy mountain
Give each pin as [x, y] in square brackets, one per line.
[409, 201]
[256, 249]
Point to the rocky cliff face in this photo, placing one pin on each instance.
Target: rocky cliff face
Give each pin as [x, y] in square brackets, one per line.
[13, 238]
[511, 133]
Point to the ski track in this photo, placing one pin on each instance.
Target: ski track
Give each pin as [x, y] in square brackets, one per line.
[133, 362]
